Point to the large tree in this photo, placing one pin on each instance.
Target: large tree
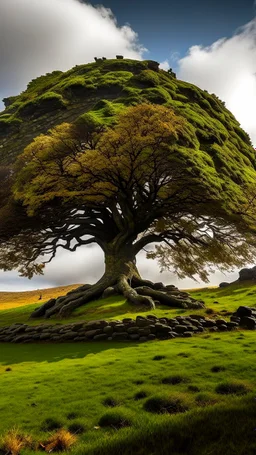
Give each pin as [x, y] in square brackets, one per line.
[142, 181]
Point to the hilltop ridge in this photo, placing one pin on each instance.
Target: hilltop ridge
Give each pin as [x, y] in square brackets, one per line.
[104, 88]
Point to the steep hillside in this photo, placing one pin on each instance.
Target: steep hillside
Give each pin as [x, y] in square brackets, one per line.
[104, 88]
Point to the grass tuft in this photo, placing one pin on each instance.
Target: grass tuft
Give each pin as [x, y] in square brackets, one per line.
[140, 395]
[111, 402]
[116, 419]
[163, 404]
[51, 423]
[173, 380]
[193, 388]
[232, 388]
[159, 357]
[72, 415]
[76, 428]
[217, 368]
[14, 441]
[205, 399]
[60, 441]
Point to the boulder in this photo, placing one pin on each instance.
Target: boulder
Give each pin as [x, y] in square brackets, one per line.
[222, 327]
[224, 284]
[134, 336]
[248, 322]
[142, 322]
[133, 330]
[181, 328]
[92, 333]
[144, 331]
[100, 337]
[108, 329]
[120, 336]
[243, 311]
[247, 274]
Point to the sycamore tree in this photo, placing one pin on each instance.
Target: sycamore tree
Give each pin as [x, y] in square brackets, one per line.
[144, 180]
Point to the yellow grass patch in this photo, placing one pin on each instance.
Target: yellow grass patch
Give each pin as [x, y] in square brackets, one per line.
[60, 441]
[10, 300]
[14, 441]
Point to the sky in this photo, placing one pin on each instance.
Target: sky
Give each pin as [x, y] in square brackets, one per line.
[211, 44]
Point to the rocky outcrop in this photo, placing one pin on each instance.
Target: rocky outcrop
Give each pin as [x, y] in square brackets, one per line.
[141, 329]
[246, 274]
[246, 317]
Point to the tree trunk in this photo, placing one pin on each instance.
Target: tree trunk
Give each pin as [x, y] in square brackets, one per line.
[120, 268]
[122, 274]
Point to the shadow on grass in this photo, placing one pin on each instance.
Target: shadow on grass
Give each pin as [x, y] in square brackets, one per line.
[218, 430]
[50, 352]
[103, 308]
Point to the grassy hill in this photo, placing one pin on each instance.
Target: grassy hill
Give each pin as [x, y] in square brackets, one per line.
[219, 302]
[104, 88]
[182, 396]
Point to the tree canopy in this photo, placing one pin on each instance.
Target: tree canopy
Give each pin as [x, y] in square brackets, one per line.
[145, 180]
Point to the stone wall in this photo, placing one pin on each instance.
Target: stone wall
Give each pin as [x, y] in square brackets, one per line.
[141, 329]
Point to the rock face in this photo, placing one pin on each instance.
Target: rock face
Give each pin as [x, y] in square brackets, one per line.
[247, 274]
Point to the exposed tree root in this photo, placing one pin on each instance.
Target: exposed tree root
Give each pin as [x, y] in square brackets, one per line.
[142, 293]
[132, 295]
[166, 299]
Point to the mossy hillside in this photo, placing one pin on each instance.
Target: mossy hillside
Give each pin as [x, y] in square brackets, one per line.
[64, 96]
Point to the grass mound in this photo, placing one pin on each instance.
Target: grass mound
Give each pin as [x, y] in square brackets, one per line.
[159, 357]
[173, 380]
[111, 402]
[72, 415]
[217, 430]
[140, 395]
[217, 368]
[193, 388]
[206, 399]
[77, 428]
[162, 404]
[51, 423]
[116, 419]
[232, 388]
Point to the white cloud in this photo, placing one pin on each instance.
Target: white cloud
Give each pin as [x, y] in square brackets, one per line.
[164, 65]
[228, 69]
[39, 36]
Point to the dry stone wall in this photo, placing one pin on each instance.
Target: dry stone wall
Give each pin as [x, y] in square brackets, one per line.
[139, 329]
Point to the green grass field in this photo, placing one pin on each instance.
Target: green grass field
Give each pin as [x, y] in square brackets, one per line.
[183, 396]
[17, 307]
